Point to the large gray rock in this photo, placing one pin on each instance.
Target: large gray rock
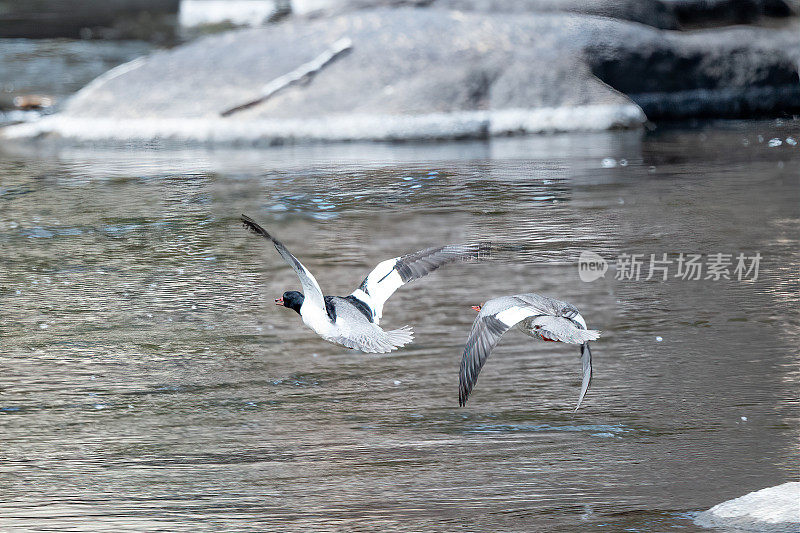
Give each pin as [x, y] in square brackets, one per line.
[421, 73]
[668, 14]
[771, 510]
[402, 62]
[650, 12]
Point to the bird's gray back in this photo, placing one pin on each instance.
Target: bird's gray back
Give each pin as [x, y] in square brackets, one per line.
[543, 304]
[349, 314]
[354, 330]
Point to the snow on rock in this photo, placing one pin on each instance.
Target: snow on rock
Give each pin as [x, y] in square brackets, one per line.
[770, 510]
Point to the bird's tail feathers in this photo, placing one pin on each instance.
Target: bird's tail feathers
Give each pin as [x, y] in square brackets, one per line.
[400, 337]
[589, 334]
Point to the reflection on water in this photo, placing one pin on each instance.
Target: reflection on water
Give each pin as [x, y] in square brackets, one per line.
[149, 382]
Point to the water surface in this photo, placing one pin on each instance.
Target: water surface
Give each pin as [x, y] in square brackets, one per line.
[149, 383]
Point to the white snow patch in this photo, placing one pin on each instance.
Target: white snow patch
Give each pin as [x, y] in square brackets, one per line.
[335, 128]
[316, 7]
[774, 509]
[237, 12]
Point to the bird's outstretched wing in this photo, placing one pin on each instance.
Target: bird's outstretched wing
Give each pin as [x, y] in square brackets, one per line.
[311, 291]
[486, 331]
[586, 368]
[393, 273]
[566, 325]
[571, 331]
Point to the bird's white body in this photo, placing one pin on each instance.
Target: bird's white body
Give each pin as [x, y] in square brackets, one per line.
[318, 320]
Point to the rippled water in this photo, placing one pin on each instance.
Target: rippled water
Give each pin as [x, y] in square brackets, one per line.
[149, 383]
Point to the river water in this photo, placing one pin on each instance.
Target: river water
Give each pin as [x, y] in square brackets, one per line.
[149, 383]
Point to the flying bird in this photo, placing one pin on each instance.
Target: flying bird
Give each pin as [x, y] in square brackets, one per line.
[538, 316]
[353, 320]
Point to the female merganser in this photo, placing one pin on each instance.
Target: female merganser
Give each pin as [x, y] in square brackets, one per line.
[537, 316]
[352, 321]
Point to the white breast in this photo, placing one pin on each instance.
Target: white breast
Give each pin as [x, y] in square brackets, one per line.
[317, 319]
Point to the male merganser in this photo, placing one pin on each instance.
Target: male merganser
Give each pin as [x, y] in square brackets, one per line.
[537, 316]
[352, 321]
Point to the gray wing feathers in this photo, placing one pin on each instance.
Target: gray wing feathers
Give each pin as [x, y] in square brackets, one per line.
[566, 324]
[379, 341]
[562, 329]
[545, 305]
[419, 264]
[486, 332]
[357, 332]
[586, 367]
[311, 289]
[390, 275]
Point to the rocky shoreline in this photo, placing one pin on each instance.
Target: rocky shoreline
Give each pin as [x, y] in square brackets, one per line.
[434, 73]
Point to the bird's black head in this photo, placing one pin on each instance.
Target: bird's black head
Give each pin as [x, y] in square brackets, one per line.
[292, 300]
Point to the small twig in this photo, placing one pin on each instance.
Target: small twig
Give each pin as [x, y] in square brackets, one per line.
[301, 73]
